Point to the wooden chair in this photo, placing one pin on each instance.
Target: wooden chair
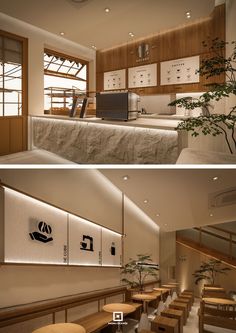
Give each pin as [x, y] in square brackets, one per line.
[215, 317]
[61, 328]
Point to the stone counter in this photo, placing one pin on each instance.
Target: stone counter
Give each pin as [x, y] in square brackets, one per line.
[97, 142]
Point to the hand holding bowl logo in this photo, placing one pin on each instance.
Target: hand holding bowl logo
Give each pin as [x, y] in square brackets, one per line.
[43, 234]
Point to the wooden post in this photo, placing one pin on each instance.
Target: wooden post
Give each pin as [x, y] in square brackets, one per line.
[230, 246]
[200, 236]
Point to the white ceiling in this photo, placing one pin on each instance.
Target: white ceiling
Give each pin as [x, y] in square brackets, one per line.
[87, 23]
[180, 196]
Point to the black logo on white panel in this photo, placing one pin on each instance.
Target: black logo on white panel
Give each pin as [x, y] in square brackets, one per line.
[43, 234]
[87, 243]
[113, 249]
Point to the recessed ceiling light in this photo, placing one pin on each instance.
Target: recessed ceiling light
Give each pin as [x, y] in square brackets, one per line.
[211, 214]
[215, 178]
[126, 177]
[145, 201]
[94, 47]
[188, 15]
[131, 34]
[62, 33]
[165, 224]
[157, 214]
[107, 10]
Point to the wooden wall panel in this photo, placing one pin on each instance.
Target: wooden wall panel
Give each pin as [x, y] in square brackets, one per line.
[185, 41]
[16, 134]
[5, 136]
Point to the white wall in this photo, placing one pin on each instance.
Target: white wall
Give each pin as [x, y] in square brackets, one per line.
[91, 195]
[38, 40]
[167, 256]
[188, 261]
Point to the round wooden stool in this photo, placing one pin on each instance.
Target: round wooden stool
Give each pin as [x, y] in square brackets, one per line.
[61, 328]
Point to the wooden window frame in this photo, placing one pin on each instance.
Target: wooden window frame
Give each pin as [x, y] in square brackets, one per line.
[24, 42]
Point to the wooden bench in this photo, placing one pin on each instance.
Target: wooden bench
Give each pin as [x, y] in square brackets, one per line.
[214, 317]
[97, 321]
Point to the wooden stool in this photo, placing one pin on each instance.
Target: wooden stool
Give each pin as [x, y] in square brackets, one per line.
[176, 314]
[182, 307]
[186, 296]
[185, 301]
[164, 324]
[62, 327]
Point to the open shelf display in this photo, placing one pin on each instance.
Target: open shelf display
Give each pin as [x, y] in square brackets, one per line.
[60, 100]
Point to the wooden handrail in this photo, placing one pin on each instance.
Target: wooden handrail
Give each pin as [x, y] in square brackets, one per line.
[215, 235]
[222, 230]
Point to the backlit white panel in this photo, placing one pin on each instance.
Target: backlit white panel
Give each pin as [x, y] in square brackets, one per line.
[84, 242]
[143, 76]
[111, 248]
[180, 71]
[34, 231]
[114, 80]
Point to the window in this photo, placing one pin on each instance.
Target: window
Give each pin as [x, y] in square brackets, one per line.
[64, 77]
[11, 66]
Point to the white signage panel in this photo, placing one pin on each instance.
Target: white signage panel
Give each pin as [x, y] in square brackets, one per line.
[34, 232]
[180, 71]
[111, 248]
[143, 76]
[115, 80]
[84, 242]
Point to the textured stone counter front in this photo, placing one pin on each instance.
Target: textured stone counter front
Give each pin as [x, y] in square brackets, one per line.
[87, 142]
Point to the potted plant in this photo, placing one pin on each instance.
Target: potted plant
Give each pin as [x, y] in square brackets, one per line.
[137, 270]
[207, 123]
[209, 270]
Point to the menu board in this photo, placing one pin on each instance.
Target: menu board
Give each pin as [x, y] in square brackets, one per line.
[111, 248]
[34, 232]
[143, 76]
[180, 71]
[115, 80]
[84, 242]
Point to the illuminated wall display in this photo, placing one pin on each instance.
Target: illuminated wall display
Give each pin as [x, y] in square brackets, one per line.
[38, 233]
[143, 76]
[114, 80]
[180, 71]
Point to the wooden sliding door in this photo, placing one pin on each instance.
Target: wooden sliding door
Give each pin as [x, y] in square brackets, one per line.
[13, 93]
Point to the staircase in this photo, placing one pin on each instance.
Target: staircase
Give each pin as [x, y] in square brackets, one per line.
[213, 241]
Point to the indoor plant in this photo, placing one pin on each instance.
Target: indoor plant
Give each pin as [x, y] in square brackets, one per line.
[209, 270]
[207, 123]
[137, 270]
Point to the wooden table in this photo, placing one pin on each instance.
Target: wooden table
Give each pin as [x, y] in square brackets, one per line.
[165, 324]
[118, 307]
[62, 327]
[224, 302]
[163, 291]
[214, 289]
[145, 298]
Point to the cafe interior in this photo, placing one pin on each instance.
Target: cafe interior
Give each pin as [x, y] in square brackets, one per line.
[112, 250]
[77, 74]
[117, 178]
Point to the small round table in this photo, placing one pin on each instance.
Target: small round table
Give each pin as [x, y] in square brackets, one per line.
[62, 327]
[145, 298]
[163, 290]
[118, 307]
